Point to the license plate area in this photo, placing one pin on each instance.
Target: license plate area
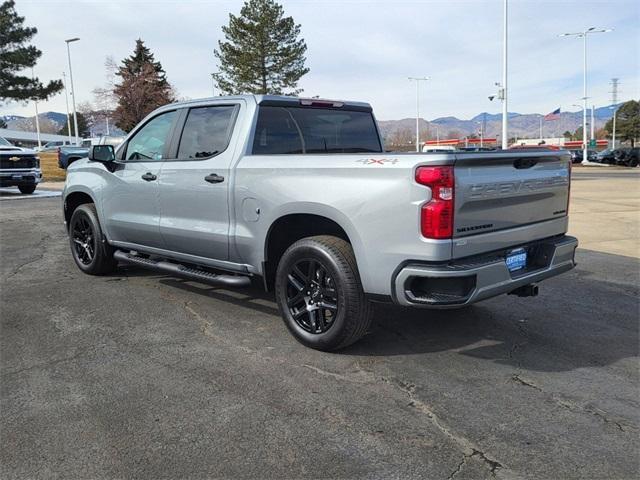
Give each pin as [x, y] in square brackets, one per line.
[516, 259]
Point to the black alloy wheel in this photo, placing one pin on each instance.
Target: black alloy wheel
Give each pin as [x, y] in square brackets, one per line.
[89, 248]
[320, 295]
[311, 296]
[84, 239]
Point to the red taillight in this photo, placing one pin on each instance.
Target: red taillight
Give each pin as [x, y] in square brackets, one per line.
[436, 217]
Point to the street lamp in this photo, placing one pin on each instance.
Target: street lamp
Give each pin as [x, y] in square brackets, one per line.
[73, 95]
[66, 99]
[584, 35]
[503, 87]
[418, 80]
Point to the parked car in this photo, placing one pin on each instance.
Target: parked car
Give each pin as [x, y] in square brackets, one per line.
[577, 156]
[53, 146]
[69, 154]
[299, 193]
[19, 167]
[605, 156]
[627, 157]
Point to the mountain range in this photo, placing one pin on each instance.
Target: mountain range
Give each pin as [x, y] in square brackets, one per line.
[520, 125]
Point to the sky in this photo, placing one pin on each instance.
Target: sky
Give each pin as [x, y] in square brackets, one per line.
[363, 50]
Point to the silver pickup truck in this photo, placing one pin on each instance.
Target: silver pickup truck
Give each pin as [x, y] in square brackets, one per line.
[301, 194]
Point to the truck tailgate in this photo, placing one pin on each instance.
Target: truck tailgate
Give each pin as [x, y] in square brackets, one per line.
[510, 190]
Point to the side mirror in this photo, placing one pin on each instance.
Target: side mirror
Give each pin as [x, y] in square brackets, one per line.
[102, 153]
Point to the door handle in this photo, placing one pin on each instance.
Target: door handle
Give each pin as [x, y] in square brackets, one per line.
[214, 178]
[149, 177]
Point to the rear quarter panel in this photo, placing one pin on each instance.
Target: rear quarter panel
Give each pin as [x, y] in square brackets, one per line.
[374, 198]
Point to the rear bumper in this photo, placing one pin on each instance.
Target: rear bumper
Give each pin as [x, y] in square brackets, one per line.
[10, 178]
[477, 278]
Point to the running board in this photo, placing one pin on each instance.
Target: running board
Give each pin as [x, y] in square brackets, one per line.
[183, 271]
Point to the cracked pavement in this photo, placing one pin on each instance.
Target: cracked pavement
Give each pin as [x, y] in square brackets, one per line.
[148, 376]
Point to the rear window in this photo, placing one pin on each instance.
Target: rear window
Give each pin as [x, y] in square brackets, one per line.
[206, 131]
[283, 130]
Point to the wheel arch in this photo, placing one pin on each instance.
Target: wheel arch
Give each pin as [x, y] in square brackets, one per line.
[72, 201]
[293, 226]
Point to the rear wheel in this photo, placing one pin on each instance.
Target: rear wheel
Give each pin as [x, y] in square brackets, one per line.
[92, 254]
[319, 293]
[27, 189]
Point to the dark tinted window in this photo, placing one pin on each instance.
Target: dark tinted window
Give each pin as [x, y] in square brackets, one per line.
[206, 131]
[314, 130]
[276, 132]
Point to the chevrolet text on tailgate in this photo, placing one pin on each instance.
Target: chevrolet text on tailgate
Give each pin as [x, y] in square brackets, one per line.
[301, 194]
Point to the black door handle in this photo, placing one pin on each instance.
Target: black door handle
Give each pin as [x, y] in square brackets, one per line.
[149, 177]
[214, 178]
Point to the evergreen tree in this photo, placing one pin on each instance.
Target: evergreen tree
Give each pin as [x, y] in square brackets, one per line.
[17, 55]
[262, 52]
[627, 122]
[143, 88]
[83, 127]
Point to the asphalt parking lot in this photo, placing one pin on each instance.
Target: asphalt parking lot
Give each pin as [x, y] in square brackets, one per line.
[147, 376]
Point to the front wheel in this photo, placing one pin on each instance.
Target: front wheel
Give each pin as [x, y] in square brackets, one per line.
[27, 189]
[92, 254]
[319, 293]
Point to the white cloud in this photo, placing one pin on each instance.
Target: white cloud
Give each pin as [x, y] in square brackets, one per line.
[364, 50]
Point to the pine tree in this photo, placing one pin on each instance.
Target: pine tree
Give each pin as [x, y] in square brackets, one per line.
[142, 89]
[262, 52]
[83, 127]
[17, 55]
[627, 122]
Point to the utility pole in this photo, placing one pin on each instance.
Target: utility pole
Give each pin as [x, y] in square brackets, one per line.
[540, 129]
[73, 95]
[503, 91]
[583, 35]
[418, 80]
[66, 99]
[37, 115]
[614, 102]
[593, 122]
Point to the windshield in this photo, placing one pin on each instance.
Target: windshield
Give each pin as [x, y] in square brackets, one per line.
[5, 143]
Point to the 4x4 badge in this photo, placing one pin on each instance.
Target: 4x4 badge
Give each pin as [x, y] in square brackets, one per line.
[377, 161]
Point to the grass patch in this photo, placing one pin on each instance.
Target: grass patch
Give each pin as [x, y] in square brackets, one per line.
[50, 170]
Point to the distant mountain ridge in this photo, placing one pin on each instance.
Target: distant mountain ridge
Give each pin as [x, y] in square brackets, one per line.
[520, 125]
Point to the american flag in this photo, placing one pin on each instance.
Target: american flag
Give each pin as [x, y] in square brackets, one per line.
[555, 115]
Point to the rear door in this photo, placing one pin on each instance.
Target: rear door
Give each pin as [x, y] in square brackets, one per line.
[503, 190]
[194, 187]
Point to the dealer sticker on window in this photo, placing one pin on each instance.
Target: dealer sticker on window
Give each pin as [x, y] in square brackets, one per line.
[516, 259]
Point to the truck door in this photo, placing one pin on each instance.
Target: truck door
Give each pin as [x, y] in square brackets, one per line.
[130, 198]
[194, 188]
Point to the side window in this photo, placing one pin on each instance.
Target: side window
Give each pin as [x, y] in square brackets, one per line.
[206, 131]
[148, 143]
[276, 132]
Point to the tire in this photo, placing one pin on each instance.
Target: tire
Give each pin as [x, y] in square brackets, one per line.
[320, 295]
[27, 189]
[91, 252]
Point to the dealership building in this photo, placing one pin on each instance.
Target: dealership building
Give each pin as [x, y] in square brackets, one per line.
[30, 139]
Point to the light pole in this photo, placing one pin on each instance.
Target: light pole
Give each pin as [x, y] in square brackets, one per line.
[418, 80]
[73, 95]
[583, 35]
[66, 99]
[35, 101]
[503, 87]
